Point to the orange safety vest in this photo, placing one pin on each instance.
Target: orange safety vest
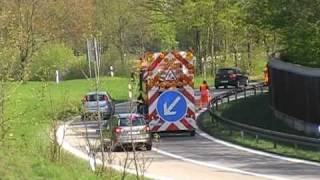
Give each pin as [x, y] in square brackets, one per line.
[266, 75]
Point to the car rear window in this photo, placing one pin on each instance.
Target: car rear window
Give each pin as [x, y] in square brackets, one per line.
[226, 71]
[93, 97]
[139, 121]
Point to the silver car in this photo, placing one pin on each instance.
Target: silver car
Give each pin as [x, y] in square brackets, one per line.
[129, 129]
[95, 102]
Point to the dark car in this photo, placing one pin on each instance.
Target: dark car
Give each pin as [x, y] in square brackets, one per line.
[232, 77]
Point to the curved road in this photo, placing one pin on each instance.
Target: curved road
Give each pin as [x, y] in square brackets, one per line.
[203, 157]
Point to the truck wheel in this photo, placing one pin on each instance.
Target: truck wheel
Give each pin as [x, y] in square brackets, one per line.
[192, 133]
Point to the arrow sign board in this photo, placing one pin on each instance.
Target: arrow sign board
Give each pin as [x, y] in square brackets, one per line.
[171, 106]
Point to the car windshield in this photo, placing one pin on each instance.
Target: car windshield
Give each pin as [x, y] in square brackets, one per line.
[226, 71]
[93, 97]
[138, 121]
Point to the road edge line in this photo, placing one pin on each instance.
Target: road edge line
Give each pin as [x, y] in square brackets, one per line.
[201, 163]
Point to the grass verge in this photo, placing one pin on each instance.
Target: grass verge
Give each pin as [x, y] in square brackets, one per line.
[25, 154]
[243, 112]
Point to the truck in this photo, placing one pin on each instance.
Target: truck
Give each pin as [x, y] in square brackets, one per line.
[166, 90]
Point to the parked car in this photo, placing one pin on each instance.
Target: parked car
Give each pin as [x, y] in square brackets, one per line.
[95, 102]
[232, 77]
[127, 130]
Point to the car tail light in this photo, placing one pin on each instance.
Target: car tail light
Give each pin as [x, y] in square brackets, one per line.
[105, 98]
[85, 98]
[118, 130]
[232, 76]
[147, 129]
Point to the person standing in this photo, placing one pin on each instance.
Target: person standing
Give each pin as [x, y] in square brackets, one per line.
[204, 93]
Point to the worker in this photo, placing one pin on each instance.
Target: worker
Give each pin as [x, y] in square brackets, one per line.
[142, 107]
[204, 93]
[266, 75]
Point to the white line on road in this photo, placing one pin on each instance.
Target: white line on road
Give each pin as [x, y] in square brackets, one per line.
[211, 165]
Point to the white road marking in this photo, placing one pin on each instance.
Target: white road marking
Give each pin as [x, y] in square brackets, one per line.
[211, 165]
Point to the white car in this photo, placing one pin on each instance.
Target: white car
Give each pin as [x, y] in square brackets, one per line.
[95, 102]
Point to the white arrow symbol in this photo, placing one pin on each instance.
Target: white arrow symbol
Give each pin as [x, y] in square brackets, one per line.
[168, 110]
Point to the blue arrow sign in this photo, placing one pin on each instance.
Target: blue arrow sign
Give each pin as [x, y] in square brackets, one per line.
[171, 106]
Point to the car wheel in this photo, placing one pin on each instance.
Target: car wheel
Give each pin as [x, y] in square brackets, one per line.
[193, 133]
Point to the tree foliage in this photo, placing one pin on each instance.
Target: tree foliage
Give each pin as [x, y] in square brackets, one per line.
[297, 23]
[221, 32]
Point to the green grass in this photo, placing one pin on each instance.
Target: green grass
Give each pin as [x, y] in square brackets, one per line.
[261, 115]
[243, 112]
[25, 153]
[198, 80]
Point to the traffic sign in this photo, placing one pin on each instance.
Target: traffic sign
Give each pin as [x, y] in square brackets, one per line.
[171, 106]
[170, 76]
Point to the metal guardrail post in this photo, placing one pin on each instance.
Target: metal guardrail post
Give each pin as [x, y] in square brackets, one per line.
[236, 95]
[217, 105]
[228, 99]
[257, 139]
[274, 145]
[245, 93]
[255, 91]
[242, 134]
[261, 89]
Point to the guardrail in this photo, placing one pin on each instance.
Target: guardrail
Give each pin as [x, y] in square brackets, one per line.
[255, 131]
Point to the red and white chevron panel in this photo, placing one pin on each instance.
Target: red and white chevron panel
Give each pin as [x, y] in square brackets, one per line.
[158, 124]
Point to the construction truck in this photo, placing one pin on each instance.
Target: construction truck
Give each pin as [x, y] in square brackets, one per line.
[166, 91]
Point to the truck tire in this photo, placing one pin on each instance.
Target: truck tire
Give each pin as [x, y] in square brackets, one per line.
[192, 133]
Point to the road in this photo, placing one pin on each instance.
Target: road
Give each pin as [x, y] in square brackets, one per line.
[202, 157]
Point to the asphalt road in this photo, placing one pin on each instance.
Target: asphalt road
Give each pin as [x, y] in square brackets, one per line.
[185, 157]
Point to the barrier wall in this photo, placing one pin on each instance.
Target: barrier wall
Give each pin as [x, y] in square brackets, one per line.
[295, 94]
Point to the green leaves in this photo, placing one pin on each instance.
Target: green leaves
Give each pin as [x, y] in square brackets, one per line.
[50, 58]
[297, 22]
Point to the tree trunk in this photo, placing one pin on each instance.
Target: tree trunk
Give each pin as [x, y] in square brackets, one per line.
[198, 51]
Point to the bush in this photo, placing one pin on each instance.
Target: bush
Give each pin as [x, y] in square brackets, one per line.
[50, 58]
